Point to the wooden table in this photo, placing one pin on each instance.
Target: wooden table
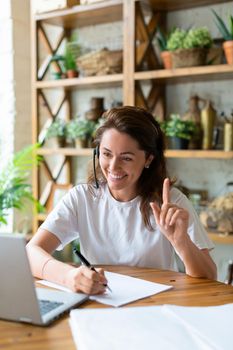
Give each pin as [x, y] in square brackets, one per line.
[187, 291]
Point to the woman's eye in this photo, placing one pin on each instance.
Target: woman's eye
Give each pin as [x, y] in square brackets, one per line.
[106, 154]
[127, 159]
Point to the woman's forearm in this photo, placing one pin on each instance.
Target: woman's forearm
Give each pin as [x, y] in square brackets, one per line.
[198, 263]
[44, 266]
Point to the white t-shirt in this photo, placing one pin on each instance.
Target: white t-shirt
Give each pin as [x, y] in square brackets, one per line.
[113, 232]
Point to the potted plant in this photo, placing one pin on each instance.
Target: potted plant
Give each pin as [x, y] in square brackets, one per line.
[179, 131]
[57, 130]
[14, 187]
[162, 39]
[189, 47]
[70, 63]
[72, 51]
[227, 35]
[80, 131]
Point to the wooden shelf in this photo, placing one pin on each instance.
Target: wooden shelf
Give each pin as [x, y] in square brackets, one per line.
[171, 5]
[211, 154]
[84, 15]
[219, 72]
[221, 238]
[216, 72]
[86, 152]
[82, 82]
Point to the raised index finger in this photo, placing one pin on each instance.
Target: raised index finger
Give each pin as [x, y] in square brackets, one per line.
[166, 191]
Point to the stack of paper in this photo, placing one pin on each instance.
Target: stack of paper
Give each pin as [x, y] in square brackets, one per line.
[153, 327]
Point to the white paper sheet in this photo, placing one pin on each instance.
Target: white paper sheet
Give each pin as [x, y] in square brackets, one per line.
[214, 324]
[153, 327]
[125, 289]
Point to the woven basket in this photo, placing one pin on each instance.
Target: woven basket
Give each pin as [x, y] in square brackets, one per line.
[189, 57]
[100, 62]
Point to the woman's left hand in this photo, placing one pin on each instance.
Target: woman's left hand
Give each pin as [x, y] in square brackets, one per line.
[171, 219]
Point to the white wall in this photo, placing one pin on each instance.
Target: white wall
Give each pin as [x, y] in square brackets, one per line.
[7, 96]
[15, 96]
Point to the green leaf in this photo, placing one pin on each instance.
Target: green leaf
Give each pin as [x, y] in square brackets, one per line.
[231, 26]
[14, 189]
[222, 27]
[162, 40]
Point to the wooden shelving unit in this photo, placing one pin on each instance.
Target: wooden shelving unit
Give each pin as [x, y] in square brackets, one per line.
[135, 30]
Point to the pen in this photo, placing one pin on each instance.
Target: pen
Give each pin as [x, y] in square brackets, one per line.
[87, 264]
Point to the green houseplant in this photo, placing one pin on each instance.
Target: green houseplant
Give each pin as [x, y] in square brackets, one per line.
[179, 131]
[57, 130]
[227, 34]
[14, 187]
[189, 47]
[70, 63]
[72, 51]
[80, 131]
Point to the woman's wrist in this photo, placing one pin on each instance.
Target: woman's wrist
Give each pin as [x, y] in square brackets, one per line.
[182, 244]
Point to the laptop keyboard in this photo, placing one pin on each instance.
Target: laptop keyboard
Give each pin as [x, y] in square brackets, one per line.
[48, 305]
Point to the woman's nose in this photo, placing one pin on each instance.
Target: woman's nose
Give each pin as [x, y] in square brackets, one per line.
[114, 163]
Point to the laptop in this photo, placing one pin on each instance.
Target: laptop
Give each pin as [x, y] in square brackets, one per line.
[20, 300]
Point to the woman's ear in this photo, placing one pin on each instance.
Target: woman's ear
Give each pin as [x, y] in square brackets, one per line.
[149, 160]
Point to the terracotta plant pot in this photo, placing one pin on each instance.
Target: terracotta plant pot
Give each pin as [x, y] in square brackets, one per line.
[228, 50]
[71, 74]
[167, 59]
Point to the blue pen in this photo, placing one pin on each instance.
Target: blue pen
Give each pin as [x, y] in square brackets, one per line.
[85, 262]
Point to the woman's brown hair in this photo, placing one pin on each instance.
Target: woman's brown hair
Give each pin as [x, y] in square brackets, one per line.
[142, 127]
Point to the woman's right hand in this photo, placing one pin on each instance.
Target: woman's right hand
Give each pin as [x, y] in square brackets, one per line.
[87, 281]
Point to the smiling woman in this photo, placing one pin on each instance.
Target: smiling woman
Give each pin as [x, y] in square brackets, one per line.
[136, 128]
[133, 217]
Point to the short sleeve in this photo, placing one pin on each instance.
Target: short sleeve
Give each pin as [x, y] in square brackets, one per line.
[63, 219]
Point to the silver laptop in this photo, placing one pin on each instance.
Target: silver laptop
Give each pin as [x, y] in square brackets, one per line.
[20, 300]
